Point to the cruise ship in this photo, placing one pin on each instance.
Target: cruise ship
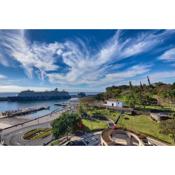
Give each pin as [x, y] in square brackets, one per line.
[29, 95]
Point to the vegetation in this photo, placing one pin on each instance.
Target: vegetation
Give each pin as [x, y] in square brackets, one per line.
[157, 97]
[92, 125]
[110, 114]
[81, 94]
[38, 133]
[142, 95]
[168, 127]
[55, 142]
[142, 124]
[145, 125]
[66, 124]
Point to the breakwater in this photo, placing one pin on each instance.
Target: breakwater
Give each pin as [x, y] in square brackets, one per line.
[25, 111]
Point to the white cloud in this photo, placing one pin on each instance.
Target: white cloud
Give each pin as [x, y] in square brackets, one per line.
[3, 61]
[168, 56]
[83, 66]
[131, 72]
[30, 56]
[164, 75]
[16, 88]
[2, 77]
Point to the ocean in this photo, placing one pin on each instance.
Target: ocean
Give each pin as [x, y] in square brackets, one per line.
[8, 105]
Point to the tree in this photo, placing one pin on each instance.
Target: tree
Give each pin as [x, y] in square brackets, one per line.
[100, 96]
[141, 86]
[168, 127]
[66, 124]
[81, 94]
[130, 100]
[149, 83]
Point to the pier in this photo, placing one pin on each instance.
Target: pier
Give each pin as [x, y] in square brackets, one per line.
[23, 111]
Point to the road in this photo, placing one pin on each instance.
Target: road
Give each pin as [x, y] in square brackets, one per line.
[156, 142]
[16, 137]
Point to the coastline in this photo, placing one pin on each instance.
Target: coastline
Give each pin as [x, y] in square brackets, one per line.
[16, 121]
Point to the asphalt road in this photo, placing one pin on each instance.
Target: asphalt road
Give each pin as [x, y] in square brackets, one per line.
[156, 142]
[16, 137]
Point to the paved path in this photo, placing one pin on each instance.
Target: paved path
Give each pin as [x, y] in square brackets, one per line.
[156, 142]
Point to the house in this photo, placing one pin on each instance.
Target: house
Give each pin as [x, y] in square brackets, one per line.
[114, 103]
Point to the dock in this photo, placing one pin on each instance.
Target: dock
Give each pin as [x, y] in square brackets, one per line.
[25, 111]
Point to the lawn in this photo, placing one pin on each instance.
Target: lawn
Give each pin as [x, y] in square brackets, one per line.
[143, 124]
[94, 125]
[55, 143]
[156, 107]
[37, 133]
[113, 115]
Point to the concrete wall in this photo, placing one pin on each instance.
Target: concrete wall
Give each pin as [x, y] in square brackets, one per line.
[109, 137]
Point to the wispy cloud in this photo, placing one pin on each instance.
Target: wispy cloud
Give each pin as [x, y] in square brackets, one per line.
[3, 61]
[168, 56]
[17, 88]
[30, 56]
[96, 68]
[84, 68]
[2, 77]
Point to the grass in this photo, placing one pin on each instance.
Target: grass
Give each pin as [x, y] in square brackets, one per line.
[55, 142]
[42, 134]
[94, 125]
[156, 107]
[37, 133]
[143, 124]
[32, 132]
[105, 112]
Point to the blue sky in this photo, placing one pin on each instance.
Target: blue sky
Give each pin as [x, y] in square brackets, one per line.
[84, 60]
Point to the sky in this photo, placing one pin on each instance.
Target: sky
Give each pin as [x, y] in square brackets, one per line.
[84, 60]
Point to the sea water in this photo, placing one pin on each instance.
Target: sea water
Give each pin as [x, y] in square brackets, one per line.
[9, 105]
[12, 105]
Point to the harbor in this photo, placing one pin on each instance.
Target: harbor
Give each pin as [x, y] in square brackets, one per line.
[24, 111]
[28, 106]
[13, 112]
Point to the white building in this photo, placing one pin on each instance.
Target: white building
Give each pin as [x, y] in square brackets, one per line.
[113, 102]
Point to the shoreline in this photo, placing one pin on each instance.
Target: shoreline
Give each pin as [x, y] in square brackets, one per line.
[6, 123]
[22, 121]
